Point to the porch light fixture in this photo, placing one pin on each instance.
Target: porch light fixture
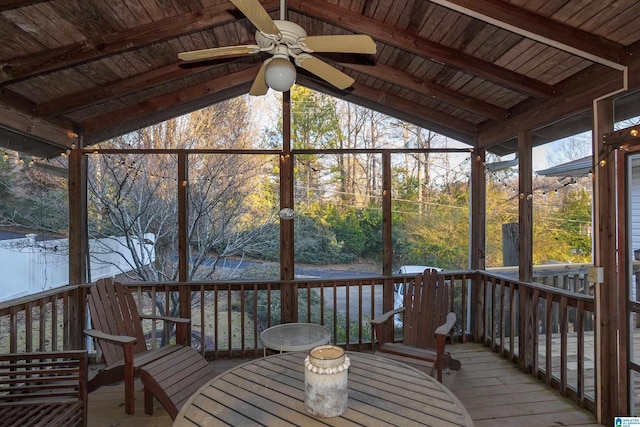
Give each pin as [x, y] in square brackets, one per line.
[280, 74]
[287, 214]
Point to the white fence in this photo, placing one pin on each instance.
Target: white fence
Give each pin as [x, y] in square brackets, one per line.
[28, 266]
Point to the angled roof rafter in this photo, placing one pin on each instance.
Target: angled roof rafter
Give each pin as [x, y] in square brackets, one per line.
[411, 42]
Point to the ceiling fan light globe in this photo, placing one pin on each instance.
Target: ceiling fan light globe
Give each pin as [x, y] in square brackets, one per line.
[280, 74]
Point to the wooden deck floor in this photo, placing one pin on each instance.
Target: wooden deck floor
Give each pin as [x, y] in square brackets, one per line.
[494, 392]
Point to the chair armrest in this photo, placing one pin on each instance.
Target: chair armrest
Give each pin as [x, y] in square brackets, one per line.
[116, 339]
[445, 328]
[386, 316]
[165, 318]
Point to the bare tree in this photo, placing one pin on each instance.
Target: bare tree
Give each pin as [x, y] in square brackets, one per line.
[134, 196]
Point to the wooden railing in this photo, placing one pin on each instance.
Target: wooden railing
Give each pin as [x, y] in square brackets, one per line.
[47, 321]
[547, 331]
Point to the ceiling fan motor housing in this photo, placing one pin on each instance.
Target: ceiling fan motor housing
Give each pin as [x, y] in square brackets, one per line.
[291, 35]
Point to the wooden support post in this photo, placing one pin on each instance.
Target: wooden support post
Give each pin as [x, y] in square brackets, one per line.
[477, 258]
[386, 214]
[527, 328]
[288, 298]
[78, 232]
[387, 252]
[183, 334]
[78, 245]
[607, 293]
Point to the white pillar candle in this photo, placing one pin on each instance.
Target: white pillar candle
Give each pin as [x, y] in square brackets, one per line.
[326, 381]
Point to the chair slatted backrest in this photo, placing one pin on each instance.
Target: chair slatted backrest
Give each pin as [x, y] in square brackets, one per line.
[426, 307]
[114, 311]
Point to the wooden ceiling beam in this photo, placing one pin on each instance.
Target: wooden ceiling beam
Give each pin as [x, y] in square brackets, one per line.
[398, 108]
[417, 110]
[544, 30]
[573, 97]
[32, 127]
[13, 4]
[417, 45]
[167, 106]
[116, 89]
[391, 105]
[15, 69]
[430, 89]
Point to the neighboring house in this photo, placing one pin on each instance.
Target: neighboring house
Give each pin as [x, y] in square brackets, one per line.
[581, 167]
[30, 264]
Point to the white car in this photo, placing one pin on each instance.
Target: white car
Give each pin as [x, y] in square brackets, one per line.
[399, 290]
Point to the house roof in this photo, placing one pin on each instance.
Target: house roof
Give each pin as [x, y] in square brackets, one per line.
[575, 168]
[478, 71]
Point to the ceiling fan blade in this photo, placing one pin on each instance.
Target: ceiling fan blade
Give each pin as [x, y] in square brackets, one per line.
[217, 52]
[258, 16]
[259, 86]
[324, 71]
[353, 43]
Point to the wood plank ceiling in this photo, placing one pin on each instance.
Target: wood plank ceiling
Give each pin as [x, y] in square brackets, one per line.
[474, 70]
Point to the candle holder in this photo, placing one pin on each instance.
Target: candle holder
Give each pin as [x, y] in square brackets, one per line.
[326, 376]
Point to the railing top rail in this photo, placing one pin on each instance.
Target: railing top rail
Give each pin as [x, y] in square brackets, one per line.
[546, 289]
[6, 305]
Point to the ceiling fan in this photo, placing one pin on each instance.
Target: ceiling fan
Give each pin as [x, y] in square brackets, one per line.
[283, 39]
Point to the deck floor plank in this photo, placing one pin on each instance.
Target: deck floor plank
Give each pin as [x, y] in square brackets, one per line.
[497, 393]
[493, 390]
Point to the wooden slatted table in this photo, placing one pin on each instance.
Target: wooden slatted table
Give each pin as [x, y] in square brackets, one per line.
[270, 392]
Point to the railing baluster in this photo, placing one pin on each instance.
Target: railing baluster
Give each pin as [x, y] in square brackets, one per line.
[42, 320]
[581, 353]
[216, 338]
[28, 321]
[563, 345]
[549, 338]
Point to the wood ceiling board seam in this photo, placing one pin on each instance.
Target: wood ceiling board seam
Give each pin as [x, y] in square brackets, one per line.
[527, 66]
[405, 19]
[155, 105]
[632, 34]
[432, 22]
[427, 48]
[602, 23]
[70, 55]
[156, 13]
[441, 32]
[16, 35]
[137, 11]
[550, 70]
[179, 109]
[572, 97]
[80, 99]
[396, 10]
[535, 27]
[585, 15]
[400, 104]
[82, 18]
[430, 89]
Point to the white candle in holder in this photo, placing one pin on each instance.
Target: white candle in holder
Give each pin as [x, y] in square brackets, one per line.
[326, 381]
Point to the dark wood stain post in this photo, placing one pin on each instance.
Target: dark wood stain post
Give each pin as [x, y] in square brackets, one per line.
[607, 308]
[478, 237]
[78, 240]
[288, 300]
[183, 247]
[528, 315]
[387, 245]
[78, 244]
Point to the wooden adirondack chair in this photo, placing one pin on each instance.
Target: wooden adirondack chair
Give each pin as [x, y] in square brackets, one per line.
[426, 324]
[44, 389]
[117, 327]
